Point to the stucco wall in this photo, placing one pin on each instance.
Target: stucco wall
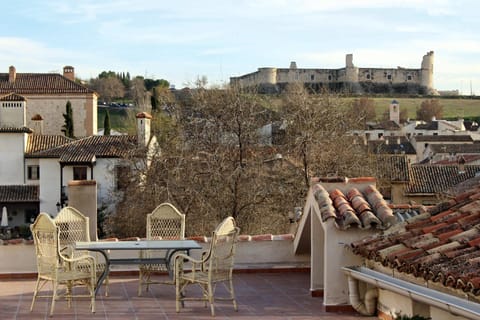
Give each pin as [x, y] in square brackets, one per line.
[12, 146]
[251, 254]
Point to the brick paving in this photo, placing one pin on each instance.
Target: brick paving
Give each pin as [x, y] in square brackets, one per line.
[281, 295]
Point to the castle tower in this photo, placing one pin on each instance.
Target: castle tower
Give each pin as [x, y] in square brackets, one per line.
[267, 75]
[394, 110]
[351, 72]
[427, 71]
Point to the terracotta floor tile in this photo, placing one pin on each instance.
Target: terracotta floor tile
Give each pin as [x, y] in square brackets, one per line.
[267, 295]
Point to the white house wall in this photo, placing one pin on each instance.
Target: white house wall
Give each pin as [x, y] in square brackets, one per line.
[104, 174]
[12, 146]
[49, 185]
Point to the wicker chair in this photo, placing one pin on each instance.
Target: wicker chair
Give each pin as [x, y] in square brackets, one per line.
[53, 266]
[215, 266]
[164, 222]
[74, 226]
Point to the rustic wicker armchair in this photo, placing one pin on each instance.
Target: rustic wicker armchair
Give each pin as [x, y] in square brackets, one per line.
[74, 226]
[215, 266]
[167, 223]
[55, 267]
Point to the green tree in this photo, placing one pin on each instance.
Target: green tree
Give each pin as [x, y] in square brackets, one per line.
[106, 124]
[67, 128]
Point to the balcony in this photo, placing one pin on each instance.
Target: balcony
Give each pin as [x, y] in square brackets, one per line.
[270, 283]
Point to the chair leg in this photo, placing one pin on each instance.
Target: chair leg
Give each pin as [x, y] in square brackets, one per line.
[210, 298]
[177, 295]
[232, 295]
[35, 293]
[54, 296]
[91, 288]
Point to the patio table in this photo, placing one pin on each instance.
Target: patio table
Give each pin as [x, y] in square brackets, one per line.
[170, 247]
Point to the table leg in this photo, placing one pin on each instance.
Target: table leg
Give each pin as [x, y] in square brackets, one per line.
[105, 272]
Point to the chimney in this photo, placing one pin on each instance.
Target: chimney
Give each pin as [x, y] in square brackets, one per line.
[143, 128]
[37, 124]
[69, 73]
[12, 74]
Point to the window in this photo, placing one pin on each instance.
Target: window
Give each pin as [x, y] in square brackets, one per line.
[409, 77]
[389, 76]
[312, 77]
[368, 76]
[329, 77]
[33, 172]
[79, 173]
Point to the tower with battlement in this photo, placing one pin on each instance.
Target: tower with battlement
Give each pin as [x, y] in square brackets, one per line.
[351, 78]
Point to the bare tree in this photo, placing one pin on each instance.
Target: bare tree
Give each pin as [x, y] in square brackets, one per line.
[139, 95]
[364, 108]
[318, 134]
[212, 165]
[430, 109]
[109, 88]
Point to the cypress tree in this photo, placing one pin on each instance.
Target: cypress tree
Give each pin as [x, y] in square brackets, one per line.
[68, 116]
[106, 124]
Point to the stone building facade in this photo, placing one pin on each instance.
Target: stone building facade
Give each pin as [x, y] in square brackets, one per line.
[350, 78]
[47, 95]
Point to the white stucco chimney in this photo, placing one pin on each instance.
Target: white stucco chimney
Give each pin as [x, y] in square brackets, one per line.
[143, 128]
[69, 72]
[37, 124]
[12, 74]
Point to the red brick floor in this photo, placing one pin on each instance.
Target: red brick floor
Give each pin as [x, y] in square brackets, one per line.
[284, 295]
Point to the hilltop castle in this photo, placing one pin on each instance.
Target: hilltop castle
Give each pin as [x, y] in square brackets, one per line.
[350, 79]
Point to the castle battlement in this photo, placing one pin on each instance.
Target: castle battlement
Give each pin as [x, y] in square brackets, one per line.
[350, 78]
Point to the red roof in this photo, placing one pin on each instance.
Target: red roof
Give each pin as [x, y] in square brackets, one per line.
[441, 245]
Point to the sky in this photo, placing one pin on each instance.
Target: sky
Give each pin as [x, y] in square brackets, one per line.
[182, 40]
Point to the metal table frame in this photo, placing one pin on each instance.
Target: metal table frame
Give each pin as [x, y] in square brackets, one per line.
[170, 247]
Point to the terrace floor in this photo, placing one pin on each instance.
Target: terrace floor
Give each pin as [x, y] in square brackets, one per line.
[280, 295]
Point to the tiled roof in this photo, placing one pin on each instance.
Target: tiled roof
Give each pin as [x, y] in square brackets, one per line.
[432, 125]
[385, 125]
[391, 145]
[441, 245]
[19, 193]
[392, 167]
[466, 158]
[455, 148]
[431, 179]
[13, 97]
[15, 130]
[364, 210]
[37, 143]
[87, 149]
[40, 83]
[443, 138]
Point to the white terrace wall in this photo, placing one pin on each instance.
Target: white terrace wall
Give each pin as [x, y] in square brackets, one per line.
[253, 252]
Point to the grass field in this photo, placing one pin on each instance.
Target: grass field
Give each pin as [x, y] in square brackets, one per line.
[452, 108]
[122, 119]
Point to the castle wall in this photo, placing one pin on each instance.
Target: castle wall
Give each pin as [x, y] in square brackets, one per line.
[410, 77]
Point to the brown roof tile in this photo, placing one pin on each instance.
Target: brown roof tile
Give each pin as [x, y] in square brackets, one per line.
[40, 83]
[448, 252]
[87, 149]
[431, 179]
[19, 193]
[37, 143]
